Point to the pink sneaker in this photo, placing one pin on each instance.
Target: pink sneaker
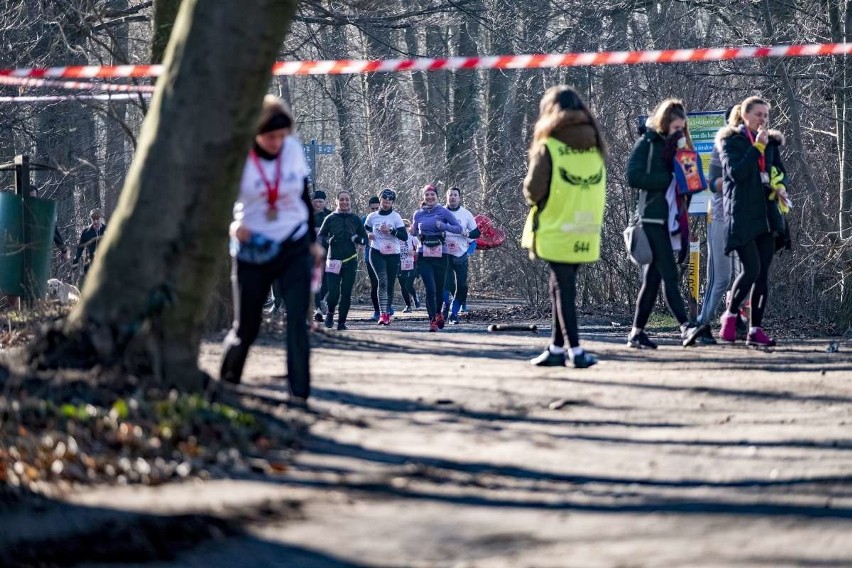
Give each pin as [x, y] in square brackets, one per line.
[760, 339]
[729, 327]
[384, 319]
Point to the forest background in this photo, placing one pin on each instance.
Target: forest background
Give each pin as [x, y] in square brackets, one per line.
[472, 128]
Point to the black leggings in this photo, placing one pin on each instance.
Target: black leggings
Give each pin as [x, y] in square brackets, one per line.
[386, 267]
[251, 282]
[374, 282]
[662, 269]
[563, 297]
[756, 257]
[433, 271]
[406, 285]
[340, 289]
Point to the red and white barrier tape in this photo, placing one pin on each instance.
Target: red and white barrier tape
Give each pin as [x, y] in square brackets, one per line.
[534, 61]
[74, 85]
[116, 97]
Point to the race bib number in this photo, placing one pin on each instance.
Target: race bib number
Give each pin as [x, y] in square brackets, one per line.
[407, 263]
[453, 247]
[333, 266]
[386, 248]
[432, 252]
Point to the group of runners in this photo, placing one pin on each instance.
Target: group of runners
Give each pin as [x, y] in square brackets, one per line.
[436, 246]
[282, 233]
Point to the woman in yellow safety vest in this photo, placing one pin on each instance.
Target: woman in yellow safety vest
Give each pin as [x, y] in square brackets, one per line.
[565, 187]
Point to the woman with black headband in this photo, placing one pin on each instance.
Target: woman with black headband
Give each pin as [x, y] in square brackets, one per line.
[386, 230]
[273, 238]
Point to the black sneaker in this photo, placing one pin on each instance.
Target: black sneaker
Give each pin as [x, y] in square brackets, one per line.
[706, 337]
[548, 359]
[640, 341]
[691, 333]
[329, 320]
[342, 327]
[318, 315]
[584, 360]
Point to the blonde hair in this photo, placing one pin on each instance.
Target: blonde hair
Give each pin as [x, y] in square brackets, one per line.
[746, 105]
[734, 117]
[272, 107]
[555, 108]
[667, 112]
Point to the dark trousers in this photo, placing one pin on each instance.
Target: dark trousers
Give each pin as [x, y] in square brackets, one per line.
[756, 257]
[663, 270]
[374, 283]
[386, 267]
[319, 296]
[433, 271]
[456, 274]
[406, 285]
[251, 282]
[563, 300]
[340, 289]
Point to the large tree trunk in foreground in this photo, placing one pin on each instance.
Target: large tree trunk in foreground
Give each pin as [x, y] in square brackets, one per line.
[156, 269]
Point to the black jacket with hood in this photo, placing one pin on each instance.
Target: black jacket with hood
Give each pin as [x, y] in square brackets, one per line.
[748, 210]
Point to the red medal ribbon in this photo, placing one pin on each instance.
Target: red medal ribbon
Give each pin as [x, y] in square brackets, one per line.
[271, 190]
[761, 161]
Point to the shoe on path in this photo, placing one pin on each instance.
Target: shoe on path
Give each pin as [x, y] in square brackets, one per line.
[640, 341]
[548, 359]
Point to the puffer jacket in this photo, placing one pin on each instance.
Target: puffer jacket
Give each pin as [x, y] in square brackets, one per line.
[748, 210]
[649, 170]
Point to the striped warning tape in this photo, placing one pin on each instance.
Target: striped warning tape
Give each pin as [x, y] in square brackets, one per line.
[74, 85]
[533, 61]
[115, 97]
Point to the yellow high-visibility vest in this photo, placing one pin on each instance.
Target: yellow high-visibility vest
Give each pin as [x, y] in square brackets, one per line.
[568, 228]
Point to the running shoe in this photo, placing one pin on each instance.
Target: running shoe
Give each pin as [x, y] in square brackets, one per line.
[759, 338]
[416, 304]
[584, 360]
[548, 359]
[640, 341]
[439, 319]
[705, 337]
[318, 315]
[329, 320]
[384, 319]
[392, 311]
[407, 310]
[729, 327]
[375, 316]
[454, 319]
[691, 333]
[433, 325]
[341, 327]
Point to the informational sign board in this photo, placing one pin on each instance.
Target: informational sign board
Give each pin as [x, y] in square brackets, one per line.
[703, 127]
[313, 150]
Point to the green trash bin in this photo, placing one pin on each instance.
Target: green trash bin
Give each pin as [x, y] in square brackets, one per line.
[26, 241]
[11, 244]
[39, 224]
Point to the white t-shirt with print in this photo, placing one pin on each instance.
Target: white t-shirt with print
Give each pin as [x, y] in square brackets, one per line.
[251, 207]
[457, 245]
[382, 242]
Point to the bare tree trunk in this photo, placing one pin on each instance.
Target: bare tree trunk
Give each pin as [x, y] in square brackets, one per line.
[165, 13]
[116, 137]
[461, 161]
[155, 270]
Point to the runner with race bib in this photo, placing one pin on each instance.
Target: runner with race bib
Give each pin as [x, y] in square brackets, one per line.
[457, 247]
[432, 222]
[342, 230]
[386, 232]
[407, 268]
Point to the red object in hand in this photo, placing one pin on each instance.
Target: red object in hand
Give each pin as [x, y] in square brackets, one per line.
[490, 236]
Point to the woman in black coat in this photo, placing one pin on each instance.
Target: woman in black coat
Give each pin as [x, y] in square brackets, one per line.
[755, 229]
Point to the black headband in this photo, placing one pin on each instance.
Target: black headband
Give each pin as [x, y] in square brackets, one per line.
[277, 121]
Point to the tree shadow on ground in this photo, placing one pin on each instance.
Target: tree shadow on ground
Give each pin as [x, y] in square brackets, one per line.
[44, 532]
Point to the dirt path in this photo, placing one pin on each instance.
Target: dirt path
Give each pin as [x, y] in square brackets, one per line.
[449, 450]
